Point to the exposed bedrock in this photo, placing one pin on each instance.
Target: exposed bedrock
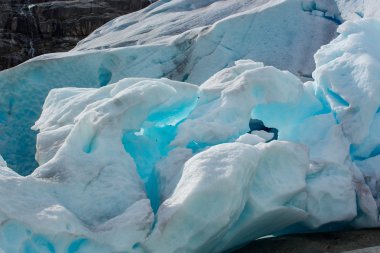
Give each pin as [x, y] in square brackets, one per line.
[33, 27]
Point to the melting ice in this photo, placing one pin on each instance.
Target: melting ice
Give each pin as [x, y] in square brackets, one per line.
[238, 151]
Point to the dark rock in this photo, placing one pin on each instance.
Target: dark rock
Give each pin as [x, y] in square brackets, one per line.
[258, 125]
[29, 28]
[334, 242]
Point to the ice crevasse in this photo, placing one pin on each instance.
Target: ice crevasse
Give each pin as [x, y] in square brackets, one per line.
[156, 165]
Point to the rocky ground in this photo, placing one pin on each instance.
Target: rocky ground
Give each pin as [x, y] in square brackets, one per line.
[30, 28]
[361, 241]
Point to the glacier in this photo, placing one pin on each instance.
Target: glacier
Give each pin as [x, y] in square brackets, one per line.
[202, 152]
[173, 39]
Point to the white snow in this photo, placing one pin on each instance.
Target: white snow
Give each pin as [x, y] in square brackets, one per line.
[251, 139]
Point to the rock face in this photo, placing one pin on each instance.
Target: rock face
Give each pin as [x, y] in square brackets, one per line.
[33, 27]
[361, 241]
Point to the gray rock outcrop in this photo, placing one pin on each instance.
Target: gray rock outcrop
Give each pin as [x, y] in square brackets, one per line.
[360, 241]
[29, 28]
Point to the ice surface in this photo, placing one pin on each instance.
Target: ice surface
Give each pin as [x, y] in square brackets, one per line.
[356, 9]
[2, 162]
[238, 151]
[348, 75]
[163, 166]
[175, 39]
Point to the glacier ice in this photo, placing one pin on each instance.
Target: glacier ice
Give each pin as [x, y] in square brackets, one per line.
[173, 39]
[146, 159]
[348, 77]
[239, 151]
[100, 127]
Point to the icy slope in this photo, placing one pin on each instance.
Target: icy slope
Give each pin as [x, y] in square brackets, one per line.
[173, 39]
[105, 136]
[163, 166]
[356, 9]
[166, 18]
